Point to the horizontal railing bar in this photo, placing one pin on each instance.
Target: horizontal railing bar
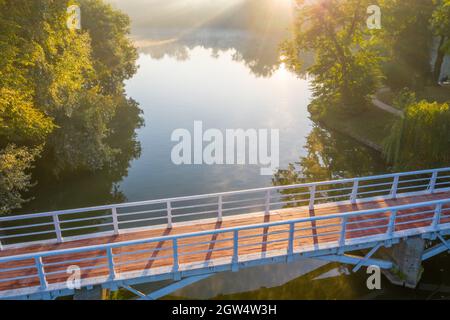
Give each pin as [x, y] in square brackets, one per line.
[288, 202]
[282, 195]
[413, 221]
[19, 278]
[334, 190]
[144, 219]
[196, 197]
[262, 243]
[413, 187]
[26, 234]
[246, 200]
[225, 230]
[124, 214]
[203, 243]
[192, 214]
[50, 264]
[414, 180]
[31, 266]
[27, 226]
[375, 185]
[152, 251]
[100, 266]
[204, 251]
[367, 220]
[214, 204]
[414, 214]
[318, 235]
[368, 228]
[88, 227]
[319, 227]
[374, 191]
[333, 197]
[85, 219]
[245, 207]
[127, 262]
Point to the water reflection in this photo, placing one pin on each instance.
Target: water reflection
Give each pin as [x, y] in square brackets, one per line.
[331, 156]
[80, 188]
[259, 53]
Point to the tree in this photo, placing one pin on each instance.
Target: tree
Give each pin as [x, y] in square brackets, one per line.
[346, 68]
[114, 56]
[421, 139]
[407, 38]
[15, 162]
[441, 27]
[64, 89]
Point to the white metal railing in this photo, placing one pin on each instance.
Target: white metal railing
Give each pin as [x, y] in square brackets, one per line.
[173, 252]
[95, 221]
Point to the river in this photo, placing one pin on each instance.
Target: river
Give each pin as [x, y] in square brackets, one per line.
[230, 79]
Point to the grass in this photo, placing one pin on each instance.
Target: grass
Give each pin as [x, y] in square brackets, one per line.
[370, 127]
[439, 94]
[386, 97]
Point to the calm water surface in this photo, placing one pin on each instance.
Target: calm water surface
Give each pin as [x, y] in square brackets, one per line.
[225, 80]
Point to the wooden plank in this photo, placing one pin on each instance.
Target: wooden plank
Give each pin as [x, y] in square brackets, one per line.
[204, 248]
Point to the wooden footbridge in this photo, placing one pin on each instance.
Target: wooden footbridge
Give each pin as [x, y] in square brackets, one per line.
[187, 239]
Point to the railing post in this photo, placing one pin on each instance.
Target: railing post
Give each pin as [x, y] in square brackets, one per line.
[220, 209]
[312, 198]
[57, 226]
[235, 260]
[394, 188]
[343, 231]
[437, 216]
[176, 263]
[1, 246]
[112, 271]
[115, 220]
[267, 211]
[41, 272]
[391, 227]
[169, 215]
[354, 194]
[291, 242]
[433, 180]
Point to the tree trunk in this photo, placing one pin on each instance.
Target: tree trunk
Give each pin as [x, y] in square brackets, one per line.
[439, 60]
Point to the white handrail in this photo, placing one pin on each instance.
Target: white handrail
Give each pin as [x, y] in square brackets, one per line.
[269, 199]
[435, 225]
[214, 195]
[168, 238]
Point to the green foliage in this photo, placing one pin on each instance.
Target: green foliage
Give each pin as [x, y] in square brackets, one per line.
[440, 24]
[64, 87]
[113, 54]
[404, 99]
[346, 69]
[421, 138]
[329, 156]
[15, 162]
[407, 39]
[20, 121]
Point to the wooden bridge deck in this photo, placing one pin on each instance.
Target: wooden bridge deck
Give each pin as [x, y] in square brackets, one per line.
[193, 250]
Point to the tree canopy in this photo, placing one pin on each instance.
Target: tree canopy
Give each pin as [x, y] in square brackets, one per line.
[61, 89]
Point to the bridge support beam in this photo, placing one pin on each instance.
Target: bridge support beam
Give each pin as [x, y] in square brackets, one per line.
[407, 259]
[92, 293]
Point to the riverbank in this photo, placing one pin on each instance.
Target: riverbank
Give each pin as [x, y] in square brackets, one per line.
[369, 127]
